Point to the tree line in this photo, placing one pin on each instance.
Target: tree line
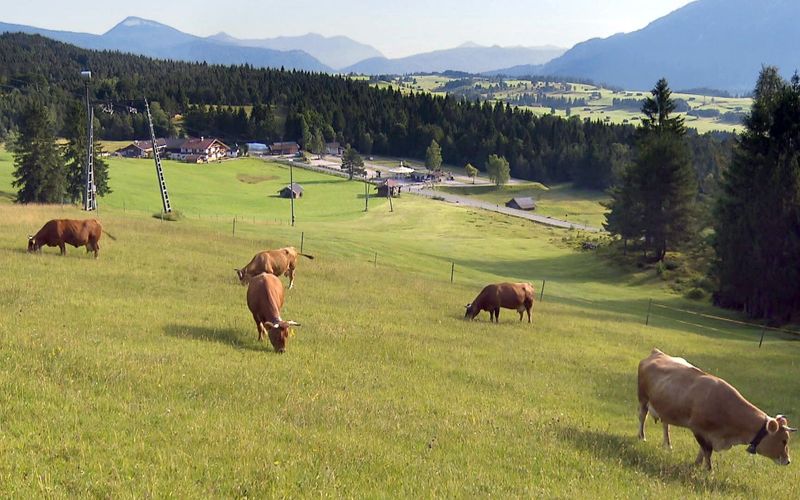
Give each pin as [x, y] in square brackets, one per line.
[296, 105]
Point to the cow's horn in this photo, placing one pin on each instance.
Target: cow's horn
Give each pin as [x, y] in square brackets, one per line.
[467, 306]
[30, 236]
[293, 323]
[790, 429]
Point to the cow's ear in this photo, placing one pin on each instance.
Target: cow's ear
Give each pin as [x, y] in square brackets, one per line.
[773, 426]
[269, 325]
[30, 236]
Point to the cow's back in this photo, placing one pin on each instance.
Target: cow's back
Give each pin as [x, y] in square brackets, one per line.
[514, 295]
[673, 387]
[265, 296]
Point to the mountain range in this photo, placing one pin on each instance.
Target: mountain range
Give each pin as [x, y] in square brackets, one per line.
[719, 44]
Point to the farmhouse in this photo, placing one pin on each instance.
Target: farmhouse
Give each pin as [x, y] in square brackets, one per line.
[292, 191]
[201, 150]
[284, 148]
[522, 203]
[389, 187]
[334, 149]
[141, 149]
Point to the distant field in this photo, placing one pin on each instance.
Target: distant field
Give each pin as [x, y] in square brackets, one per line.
[598, 100]
[139, 374]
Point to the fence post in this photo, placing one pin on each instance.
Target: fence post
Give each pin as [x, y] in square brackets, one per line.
[763, 330]
[302, 240]
[376, 259]
[647, 320]
[234, 227]
[452, 271]
[541, 294]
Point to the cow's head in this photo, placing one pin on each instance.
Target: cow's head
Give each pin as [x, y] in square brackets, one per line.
[471, 311]
[775, 444]
[32, 246]
[279, 334]
[242, 277]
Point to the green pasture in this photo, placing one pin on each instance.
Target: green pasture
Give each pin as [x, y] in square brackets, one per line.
[560, 201]
[139, 374]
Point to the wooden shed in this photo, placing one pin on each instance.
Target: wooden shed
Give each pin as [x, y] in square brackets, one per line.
[292, 191]
[389, 187]
[522, 203]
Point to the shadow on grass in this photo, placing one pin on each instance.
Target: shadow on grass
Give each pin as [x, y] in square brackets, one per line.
[227, 336]
[5, 195]
[632, 454]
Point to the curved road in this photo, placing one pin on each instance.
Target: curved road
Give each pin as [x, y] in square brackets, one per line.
[472, 202]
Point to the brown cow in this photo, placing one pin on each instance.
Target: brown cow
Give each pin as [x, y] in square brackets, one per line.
[278, 262]
[265, 299]
[518, 296]
[680, 394]
[60, 232]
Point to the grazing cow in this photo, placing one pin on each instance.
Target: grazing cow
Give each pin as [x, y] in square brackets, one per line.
[265, 299]
[680, 394]
[60, 232]
[278, 262]
[518, 296]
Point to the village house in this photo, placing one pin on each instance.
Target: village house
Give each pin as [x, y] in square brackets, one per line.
[334, 149]
[284, 148]
[141, 149]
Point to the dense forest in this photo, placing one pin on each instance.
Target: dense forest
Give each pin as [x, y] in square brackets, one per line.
[291, 105]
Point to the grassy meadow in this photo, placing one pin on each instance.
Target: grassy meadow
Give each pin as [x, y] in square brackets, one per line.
[139, 374]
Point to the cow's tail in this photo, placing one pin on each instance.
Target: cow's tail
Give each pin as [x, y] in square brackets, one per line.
[306, 255]
[109, 235]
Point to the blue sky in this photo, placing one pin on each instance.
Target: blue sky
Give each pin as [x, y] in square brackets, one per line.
[396, 28]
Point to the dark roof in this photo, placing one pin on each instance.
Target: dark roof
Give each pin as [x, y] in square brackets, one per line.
[297, 188]
[524, 202]
[202, 144]
[145, 145]
[284, 144]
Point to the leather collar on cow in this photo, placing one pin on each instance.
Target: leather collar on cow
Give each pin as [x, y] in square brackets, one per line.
[757, 440]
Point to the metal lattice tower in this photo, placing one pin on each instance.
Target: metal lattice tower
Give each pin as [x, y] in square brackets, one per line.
[159, 171]
[90, 190]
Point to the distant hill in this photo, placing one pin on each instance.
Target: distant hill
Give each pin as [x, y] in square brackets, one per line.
[141, 36]
[720, 44]
[520, 70]
[468, 58]
[336, 51]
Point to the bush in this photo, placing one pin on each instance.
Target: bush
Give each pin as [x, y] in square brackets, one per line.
[173, 216]
[661, 269]
[695, 294]
[671, 265]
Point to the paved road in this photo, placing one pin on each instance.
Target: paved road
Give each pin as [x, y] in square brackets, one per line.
[471, 202]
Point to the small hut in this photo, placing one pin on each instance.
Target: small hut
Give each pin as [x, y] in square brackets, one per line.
[522, 203]
[292, 191]
[389, 187]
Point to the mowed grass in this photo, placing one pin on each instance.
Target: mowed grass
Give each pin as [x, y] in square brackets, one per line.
[560, 201]
[139, 374]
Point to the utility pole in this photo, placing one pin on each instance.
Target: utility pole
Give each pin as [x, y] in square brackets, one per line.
[291, 189]
[89, 191]
[162, 184]
[366, 193]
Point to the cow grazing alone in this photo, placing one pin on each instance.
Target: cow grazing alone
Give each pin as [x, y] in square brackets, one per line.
[280, 262]
[60, 232]
[517, 296]
[265, 299]
[680, 394]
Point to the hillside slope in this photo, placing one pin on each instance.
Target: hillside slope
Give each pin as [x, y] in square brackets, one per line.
[718, 44]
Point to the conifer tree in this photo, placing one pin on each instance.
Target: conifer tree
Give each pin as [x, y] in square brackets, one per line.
[433, 156]
[38, 166]
[74, 153]
[352, 163]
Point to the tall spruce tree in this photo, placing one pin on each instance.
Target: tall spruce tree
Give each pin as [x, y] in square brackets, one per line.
[757, 230]
[433, 156]
[656, 198]
[75, 156]
[38, 167]
[352, 163]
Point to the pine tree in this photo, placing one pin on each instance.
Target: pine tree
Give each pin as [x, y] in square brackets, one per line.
[656, 198]
[74, 153]
[757, 233]
[352, 163]
[38, 166]
[318, 143]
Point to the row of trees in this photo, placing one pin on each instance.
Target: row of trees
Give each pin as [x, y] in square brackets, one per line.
[45, 172]
[293, 105]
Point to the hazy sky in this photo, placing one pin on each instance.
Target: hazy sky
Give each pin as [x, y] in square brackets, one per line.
[396, 28]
